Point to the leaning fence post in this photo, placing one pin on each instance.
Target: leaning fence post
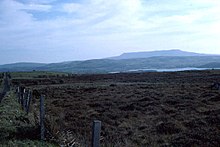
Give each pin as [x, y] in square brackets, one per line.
[96, 133]
[42, 113]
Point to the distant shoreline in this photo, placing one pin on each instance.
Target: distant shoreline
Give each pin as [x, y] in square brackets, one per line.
[165, 70]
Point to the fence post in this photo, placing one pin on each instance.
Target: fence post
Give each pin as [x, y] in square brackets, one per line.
[21, 97]
[28, 101]
[18, 94]
[42, 113]
[23, 100]
[96, 133]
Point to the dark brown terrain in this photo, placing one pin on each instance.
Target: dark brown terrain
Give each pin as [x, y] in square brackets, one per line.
[136, 109]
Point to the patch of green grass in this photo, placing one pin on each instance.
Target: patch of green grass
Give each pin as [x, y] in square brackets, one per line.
[16, 127]
[36, 74]
[12, 117]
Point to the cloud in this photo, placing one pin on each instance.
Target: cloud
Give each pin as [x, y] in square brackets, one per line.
[71, 7]
[36, 7]
[37, 1]
[108, 27]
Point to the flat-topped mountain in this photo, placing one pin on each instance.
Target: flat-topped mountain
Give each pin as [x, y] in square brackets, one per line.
[127, 62]
[174, 52]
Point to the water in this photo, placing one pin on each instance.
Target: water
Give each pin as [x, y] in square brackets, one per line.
[165, 70]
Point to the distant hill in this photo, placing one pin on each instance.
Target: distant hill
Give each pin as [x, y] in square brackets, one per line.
[133, 62]
[21, 66]
[124, 65]
[211, 65]
[174, 52]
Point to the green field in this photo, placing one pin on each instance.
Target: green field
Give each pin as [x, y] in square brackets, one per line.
[36, 74]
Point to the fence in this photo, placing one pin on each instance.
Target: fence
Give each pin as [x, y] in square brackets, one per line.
[24, 97]
[5, 84]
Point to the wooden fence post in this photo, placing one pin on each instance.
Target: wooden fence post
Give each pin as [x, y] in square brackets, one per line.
[42, 113]
[96, 133]
[23, 100]
[28, 101]
[21, 97]
[18, 94]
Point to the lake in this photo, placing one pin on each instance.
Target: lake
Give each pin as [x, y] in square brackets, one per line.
[166, 70]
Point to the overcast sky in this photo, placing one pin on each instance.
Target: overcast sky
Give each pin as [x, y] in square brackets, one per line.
[67, 30]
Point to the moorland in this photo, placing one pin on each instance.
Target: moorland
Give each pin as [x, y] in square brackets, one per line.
[136, 109]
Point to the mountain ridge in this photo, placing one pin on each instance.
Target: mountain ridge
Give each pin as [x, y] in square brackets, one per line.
[106, 65]
[147, 54]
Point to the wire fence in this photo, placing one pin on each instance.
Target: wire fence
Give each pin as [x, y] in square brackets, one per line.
[5, 85]
[24, 98]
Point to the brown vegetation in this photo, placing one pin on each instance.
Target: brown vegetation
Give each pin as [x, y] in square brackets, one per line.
[136, 109]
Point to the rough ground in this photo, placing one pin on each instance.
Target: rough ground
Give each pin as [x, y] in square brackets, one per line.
[136, 109]
[17, 129]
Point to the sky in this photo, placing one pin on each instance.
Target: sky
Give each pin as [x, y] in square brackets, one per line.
[49, 31]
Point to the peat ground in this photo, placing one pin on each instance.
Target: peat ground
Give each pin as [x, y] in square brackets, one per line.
[136, 109]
